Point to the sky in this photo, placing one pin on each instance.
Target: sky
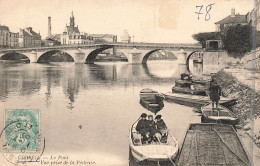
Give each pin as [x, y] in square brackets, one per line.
[157, 21]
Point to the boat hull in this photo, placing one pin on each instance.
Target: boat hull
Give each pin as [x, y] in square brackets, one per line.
[220, 121]
[196, 100]
[153, 107]
[222, 115]
[151, 100]
[138, 157]
[153, 151]
[212, 144]
[186, 90]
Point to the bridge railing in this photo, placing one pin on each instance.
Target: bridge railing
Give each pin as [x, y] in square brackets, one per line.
[151, 45]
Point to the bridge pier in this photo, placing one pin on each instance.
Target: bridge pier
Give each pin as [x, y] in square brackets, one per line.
[33, 56]
[182, 57]
[114, 51]
[135, 58]
[78, 55]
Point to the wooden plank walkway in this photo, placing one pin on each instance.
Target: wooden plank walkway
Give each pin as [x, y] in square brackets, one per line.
[212, 144]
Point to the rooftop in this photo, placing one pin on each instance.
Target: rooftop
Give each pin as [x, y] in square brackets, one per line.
[36, 36]
[4, 28]
[237, 19]
[29, 32]
[71, 29]
[101, 35]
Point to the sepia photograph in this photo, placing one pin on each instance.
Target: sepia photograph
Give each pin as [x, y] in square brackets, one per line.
[129, 82]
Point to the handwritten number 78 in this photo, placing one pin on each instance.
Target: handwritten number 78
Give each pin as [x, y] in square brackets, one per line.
[207, 15]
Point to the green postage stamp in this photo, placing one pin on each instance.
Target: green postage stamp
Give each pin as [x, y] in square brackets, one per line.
[21, 130]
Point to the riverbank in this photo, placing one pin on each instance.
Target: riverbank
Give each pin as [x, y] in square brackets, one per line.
[247, 107]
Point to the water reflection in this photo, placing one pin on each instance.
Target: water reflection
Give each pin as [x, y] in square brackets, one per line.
[197, 70]
[16, 80]
[103, 98]
[73, 77]
[162, 70]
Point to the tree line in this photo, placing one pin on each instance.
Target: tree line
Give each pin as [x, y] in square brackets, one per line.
[237, 40]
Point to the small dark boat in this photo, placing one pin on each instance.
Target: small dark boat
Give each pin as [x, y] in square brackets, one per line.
[201, 82]
[221, 115]
[155, 151]
[189, 85]
[151, 100]
[198, 60]
[212, 144]
[196, 100]
[183, 83]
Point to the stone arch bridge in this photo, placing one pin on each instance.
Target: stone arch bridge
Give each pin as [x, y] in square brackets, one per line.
[136, 53]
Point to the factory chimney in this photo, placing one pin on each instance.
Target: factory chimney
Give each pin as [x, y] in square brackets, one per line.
[49, 26]
[233, 13]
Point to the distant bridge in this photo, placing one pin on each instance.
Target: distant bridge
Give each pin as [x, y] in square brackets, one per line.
[87, 53]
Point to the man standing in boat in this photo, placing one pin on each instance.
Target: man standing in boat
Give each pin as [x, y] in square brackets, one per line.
[143, 127]
[215, 92]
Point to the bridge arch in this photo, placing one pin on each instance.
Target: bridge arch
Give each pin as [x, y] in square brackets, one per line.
[93, 54]
[147, 55]
[46, 56]
[188, 59]
[15, 56]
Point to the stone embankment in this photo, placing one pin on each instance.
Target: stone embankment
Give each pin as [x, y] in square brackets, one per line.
[248, 104]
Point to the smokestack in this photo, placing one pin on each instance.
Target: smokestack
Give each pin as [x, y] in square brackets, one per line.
[233, 12]
[49, 26]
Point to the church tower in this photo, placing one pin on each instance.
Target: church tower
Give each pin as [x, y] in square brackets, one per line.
[72, 20]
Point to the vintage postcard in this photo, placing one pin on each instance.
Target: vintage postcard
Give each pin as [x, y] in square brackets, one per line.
[129, 82]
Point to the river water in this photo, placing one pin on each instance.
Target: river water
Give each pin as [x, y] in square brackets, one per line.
[87, 109]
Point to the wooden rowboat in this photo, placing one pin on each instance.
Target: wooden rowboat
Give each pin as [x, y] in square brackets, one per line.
[195, 90]
[151, 100]
[200, 81]
[196, 100]
[221, 115]
[182, 83]
[212, 144]
[191, 86]
[153, 152]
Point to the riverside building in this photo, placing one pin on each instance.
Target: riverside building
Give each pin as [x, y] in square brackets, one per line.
[29, 38]
[4, 36]
[72, 35]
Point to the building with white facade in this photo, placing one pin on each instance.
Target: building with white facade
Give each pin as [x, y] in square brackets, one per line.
[72, 35]
[125, 38]
[13, 40]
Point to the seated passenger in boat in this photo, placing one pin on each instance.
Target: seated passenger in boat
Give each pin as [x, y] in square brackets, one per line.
[161, 126]
[143, 128]
[152, 129]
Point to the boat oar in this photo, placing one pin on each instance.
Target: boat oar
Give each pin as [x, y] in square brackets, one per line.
[136, 121]
[196, 110]
[161, 95]
[165, 154]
